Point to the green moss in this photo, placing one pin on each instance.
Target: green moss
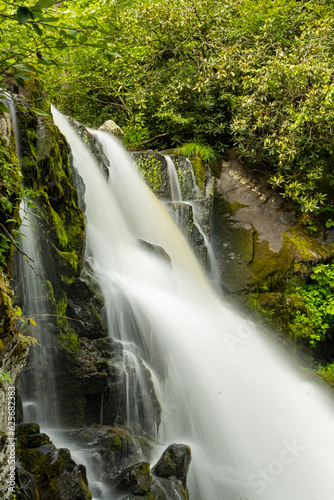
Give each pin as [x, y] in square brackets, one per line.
[71, 259]
[10, 198]
[199, 170]
[150, 169]
[117, 443]
[70, 341]
[308, 248]
[57, 224]
[231, 208]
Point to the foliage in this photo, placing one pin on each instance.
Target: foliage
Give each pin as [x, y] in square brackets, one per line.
[315, 315]
[327, 372]
[255, 75]
[34, 36]
[4, 377]
[304, 310]
[10, 196]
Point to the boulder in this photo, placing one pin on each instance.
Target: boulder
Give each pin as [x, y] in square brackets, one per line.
[112, 128]
[174, 462]
[45, 472]
[136, 479]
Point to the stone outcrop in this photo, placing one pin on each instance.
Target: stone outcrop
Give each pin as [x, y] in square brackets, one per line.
[193, 212]
[44, 472]
[125, 453]
[257, 236]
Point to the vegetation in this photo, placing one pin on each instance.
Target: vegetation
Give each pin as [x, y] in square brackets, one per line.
[304, 310]
[254, 75]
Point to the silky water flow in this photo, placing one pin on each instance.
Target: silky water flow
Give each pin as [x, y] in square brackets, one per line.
[258, 429]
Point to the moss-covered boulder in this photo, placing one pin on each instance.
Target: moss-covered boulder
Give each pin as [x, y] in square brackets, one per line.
[45, 472]
[174, 461]
[136, 479]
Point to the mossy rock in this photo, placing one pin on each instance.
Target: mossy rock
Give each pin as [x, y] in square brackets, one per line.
[136, 479]
[153, 169]
[45, 471]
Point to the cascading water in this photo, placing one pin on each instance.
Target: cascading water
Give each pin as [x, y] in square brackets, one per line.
[173, 180]
[258, 429]
[194, 203]
[37, 388]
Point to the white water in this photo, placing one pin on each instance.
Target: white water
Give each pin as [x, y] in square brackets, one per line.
[258, 429]
[37, 389]
[173, 180]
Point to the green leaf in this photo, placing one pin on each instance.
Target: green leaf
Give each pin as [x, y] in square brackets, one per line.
[44, 60]
[21, 67]
[22, 15]
[40, 112]
[3, 107]
[22, 77]
[37, 29]
[5, 376]
[21, 108]
[44, 4]
[19, 81]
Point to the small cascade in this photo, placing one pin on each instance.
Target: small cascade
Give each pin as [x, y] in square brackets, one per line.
[181, 214]
[37, 387]
[257, 427]
[173, 179]
[212, 264]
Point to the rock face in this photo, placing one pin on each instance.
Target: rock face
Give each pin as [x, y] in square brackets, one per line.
[192, 212]
[256, 235]
[45, 472]
[13, 351]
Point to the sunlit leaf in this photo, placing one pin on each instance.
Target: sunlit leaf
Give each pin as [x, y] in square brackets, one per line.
[40, 112]
[44, 4]
[3, 107]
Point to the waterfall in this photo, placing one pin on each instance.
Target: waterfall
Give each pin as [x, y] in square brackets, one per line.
[173, 180]
[179, 213]
[257, 427]
[37, 388]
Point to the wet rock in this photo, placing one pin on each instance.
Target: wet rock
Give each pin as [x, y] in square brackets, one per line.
[136, 479]
[174, 461]
[92, 144]
[45, 472]
[156, 250]
[153, 169]
[256, 233]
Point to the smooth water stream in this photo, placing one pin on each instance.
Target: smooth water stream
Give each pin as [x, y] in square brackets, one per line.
[258, 429]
